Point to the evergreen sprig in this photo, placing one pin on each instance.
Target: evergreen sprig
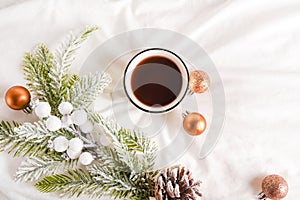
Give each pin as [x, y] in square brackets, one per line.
[124, 169]
[132, 158]
[85, 90]
[28, 139]
[64, 56]
[20, 145]
[121, 183]
[48, 74]
[75, 183]
[36, 67]
[129, 144]
[34, 168]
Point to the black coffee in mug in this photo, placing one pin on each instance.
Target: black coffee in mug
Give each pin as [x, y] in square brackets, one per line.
[156, 81]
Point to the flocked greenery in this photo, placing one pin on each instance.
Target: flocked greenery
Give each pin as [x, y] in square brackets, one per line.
[123, 169]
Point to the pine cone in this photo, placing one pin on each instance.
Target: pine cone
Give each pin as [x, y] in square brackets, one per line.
[176, 183]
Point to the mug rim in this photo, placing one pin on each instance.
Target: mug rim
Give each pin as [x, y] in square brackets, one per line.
[184, 67]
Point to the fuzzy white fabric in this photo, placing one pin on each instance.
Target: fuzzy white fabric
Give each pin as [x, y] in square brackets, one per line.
[254, 44]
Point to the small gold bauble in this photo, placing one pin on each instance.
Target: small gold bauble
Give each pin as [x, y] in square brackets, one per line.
[194, 123]
[274, 187]
[199, 81]
[17, 98]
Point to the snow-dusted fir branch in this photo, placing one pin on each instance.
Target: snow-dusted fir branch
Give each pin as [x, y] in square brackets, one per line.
[121, 173]
[34, 168]
[61, 153]
[123, 184]
[7, 135]
[35, 132]
[85, 91]
[64, 56]
[29, 143]
[132, 147]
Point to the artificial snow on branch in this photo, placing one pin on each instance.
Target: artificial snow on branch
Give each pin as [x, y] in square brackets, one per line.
[85, 90]
[64, 56]
[34, 168]
[60, 150]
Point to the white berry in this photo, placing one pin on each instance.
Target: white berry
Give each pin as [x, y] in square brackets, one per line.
[42, 110]
[76, 144]
[73, 154]
[86, 158]
[65, 108]
[87, 127]
[53, 123]
[60, 143]
[79, 117]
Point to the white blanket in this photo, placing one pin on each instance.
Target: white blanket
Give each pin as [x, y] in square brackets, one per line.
[255, 46]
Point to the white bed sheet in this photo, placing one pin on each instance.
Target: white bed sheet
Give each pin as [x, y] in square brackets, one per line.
[254, 44]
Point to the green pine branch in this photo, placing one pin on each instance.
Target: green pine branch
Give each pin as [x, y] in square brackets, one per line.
[47, 75]
[107, 182]
[86, 90]
[75, 183]
[36, 67]
[123, 183]
[34, 168]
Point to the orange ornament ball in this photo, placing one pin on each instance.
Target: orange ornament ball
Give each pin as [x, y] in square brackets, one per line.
[17, 97]
[194, 124]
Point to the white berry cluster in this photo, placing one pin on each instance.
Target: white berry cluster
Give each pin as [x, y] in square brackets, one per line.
[73, 149]
[53, 123]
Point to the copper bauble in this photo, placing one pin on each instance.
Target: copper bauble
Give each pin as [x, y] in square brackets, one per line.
[194, 123]
[199, 82]
[274, 187]
[17, 97]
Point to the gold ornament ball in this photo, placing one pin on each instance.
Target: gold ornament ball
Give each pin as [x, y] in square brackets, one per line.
[194, 123]
[199, 81]
[274, 187]
[17, 97]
